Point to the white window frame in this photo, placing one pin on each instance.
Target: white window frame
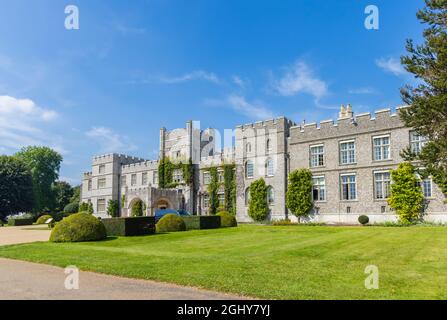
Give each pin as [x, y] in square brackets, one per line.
[319, 187]
[155, 177]
[385, 185]
[102, 205]
[316, 158]
[177, 175]
[102, 169]
[133, 179]
[252, 166]
[351, 156]
[417, 142]
[270, 195]
[89, 185]
[206, 178]
[144, 179]
[100, 185]
[349, 190]
[269, 168]
[381, 147]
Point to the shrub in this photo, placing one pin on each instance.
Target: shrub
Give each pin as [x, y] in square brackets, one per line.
[129, 226]
[20, 221]
[113, 208]
[83, 207]
[201, 222]
[72, 207]
[227, 219]
[406, 195]
[363, 219]
[170, 222]
[299, 191]
[137, 209]
[78, 227]
[284, 222]
[258, 208]
[43, 219]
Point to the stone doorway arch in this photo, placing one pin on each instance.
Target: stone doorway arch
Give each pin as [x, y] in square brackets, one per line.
[163, 203]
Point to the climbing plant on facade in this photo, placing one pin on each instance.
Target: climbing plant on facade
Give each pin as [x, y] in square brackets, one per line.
[230, 188]
[299, 191]
[165, 172]
[258, 208]
[213, 189]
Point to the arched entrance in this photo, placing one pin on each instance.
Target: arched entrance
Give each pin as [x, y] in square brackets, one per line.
[163, 204]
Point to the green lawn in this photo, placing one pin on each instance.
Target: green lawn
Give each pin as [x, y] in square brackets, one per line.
[270, 262]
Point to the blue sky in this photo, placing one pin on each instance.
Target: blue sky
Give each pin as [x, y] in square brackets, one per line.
[134, 66]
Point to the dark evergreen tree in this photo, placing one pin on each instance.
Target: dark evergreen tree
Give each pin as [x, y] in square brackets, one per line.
[427, 111]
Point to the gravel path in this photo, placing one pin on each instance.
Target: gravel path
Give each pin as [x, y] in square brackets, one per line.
[32, 281]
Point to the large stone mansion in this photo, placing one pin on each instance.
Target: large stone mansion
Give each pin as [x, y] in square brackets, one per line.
[350, 159]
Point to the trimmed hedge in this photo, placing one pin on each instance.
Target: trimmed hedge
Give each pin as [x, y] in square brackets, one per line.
[201, 222]
[43, 219]
[129, 226]
[170, 223]
[72, 207]
[363, 219]
[227, 219]
[77, 228]
[20, 222]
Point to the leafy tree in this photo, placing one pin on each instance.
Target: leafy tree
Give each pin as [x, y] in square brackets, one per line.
[427, 111]
[16, 191]
[230, 188]
[406, 195]
[90, 208]
[83, 207]
[76, 198]
[137, 208]
[299, 193]
[113, 208]
[63, 192]
[73, 207]
[44, 164]
[258, 208]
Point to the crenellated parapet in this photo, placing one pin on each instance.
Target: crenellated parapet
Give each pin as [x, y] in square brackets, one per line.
[279, 123]
[112, 157]
[140, 166]
[87, 175]
[225, 157]
[362, 123]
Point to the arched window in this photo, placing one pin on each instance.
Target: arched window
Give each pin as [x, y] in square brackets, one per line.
[269, 145]
[269, 170]
[249, 169]
[270, 195]
[248, 147]
[247, 196]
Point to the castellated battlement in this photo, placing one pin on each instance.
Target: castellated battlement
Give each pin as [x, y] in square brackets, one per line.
[356, 124]
[140, 166]
[224, 157]
[280, 122]
[87, 175]
[112, 157]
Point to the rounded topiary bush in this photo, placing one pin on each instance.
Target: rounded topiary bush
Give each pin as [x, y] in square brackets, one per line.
[43, 219]
[78, 227]
[363, 219]
[227, 219]
[72, 207]
[169, 223]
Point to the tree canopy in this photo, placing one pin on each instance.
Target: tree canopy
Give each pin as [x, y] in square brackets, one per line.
[16, 188]
[427, 111]
[44, 164]
[299, 192]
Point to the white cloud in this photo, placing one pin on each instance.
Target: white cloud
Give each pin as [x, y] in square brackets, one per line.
[252, 110]
[109, 140]
[194, 75]
[238, 81]
[300, 78]
[366, 90]
[23, 123]
[391, 65]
